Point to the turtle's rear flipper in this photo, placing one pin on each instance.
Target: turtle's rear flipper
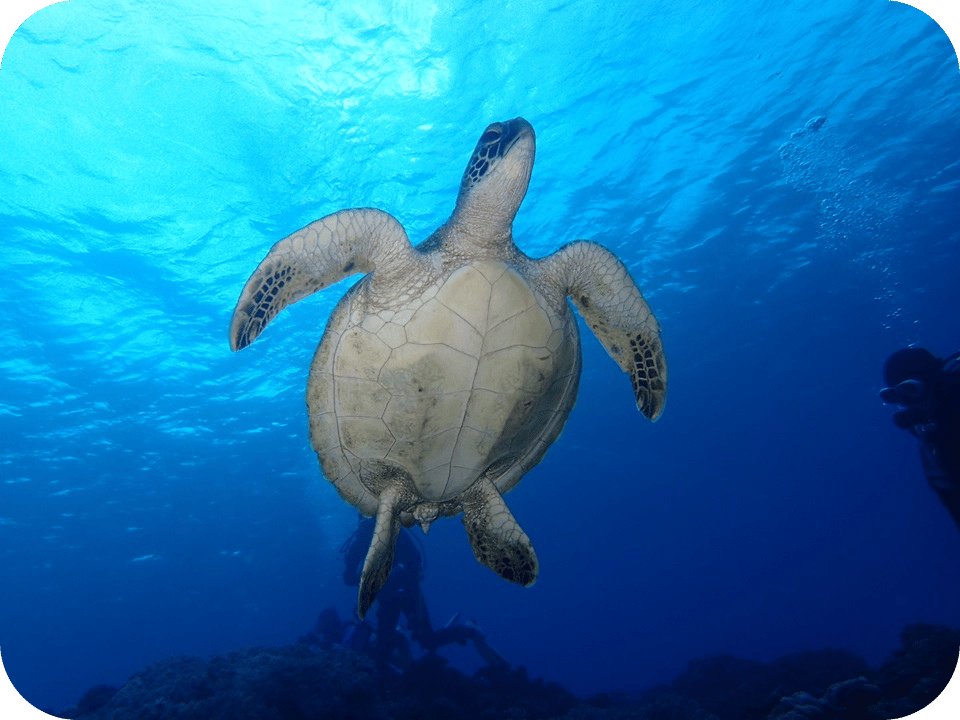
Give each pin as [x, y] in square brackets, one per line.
[497, 540]
[379, 560]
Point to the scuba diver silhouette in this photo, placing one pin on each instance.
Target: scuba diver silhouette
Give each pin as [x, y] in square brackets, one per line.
[403, 595]
[927, 389]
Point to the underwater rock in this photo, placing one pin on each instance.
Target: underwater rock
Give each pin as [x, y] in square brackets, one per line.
[492, 692]
[908, 681]
[298, 682]
[847, 700]
[95, 698]
[816, 670]
[250, 684]
[917, 672]
[734, 688]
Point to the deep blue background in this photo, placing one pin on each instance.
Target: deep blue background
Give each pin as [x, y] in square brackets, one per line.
[158, 495]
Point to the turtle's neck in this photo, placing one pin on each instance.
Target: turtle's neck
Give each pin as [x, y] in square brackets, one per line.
[474, 232]
[474, 237]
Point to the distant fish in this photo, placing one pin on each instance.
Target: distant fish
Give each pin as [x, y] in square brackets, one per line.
[143, 557]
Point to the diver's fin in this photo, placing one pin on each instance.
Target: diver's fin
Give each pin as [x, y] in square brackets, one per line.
[379, 560]
[490, 656]
[453, 620]
[496, 538]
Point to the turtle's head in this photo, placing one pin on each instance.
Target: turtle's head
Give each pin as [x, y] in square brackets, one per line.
[497, 176]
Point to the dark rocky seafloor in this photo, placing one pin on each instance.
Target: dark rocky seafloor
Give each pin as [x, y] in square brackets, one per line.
[307, 681]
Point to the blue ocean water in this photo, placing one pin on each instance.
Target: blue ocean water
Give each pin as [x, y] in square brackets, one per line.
[783, 180]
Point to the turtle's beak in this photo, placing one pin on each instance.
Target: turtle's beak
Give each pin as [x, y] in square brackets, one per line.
[514, 130]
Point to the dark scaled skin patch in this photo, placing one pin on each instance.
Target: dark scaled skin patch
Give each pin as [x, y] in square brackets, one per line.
[647, 382]
[496, 539]
[510, 562]
[261, 309]
[511, 565]
[495, 140]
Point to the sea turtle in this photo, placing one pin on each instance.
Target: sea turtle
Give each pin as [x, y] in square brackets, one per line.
[447, 371]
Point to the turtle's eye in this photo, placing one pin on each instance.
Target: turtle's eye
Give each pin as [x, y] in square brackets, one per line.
[490, 135]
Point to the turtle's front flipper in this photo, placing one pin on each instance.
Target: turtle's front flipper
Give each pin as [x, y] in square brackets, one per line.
[497, 540]
[322, 253]
[611, 304]
[379, 560]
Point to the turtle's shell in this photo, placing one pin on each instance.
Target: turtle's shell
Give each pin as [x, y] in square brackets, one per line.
[474, 372]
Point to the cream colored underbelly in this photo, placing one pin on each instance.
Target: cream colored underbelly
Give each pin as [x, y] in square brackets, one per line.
[464, 382]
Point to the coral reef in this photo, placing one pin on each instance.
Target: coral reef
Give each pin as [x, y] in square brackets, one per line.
[733, 688]
[315, 679]
[285, 683]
